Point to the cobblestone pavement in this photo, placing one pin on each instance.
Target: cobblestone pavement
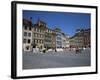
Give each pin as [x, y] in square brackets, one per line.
[56, 59]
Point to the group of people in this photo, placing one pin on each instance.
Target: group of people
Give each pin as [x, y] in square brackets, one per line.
[78, 50]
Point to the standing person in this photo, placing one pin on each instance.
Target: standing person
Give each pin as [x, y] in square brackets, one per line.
[77, 50]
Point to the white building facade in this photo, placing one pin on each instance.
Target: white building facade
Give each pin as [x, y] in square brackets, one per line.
[27, 35]
[65, 41]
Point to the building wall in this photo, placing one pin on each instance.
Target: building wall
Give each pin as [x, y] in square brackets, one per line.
[38, 37]
[48, 38]
[53, 38]
[63, 41]
[81, 39]
[72, 42]
[43, 37]
[67, 42]
[27, 35]
[58, 40]
[87, 38]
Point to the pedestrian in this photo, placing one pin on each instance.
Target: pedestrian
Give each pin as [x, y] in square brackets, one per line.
[77, 50]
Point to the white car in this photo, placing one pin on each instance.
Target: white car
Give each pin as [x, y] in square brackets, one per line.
[51, 50]
[35, 50]
[59, 49]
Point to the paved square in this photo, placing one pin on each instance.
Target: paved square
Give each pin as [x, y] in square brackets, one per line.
[56, 59]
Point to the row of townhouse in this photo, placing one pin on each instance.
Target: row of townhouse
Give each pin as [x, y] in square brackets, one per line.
[41, 36]
[81, 39]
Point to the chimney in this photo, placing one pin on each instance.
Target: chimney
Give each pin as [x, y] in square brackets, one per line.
[31, 21]
[38, 22]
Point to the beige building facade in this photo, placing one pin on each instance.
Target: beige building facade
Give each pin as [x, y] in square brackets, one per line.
[48, 38]
[38, 32]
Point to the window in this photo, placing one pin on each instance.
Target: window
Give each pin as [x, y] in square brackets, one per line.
[37, 41]
[58, 38]
[25, 27]
[25, 33]
[29, 28]
[39, 30]
[36, 29]
[41, 41]
[37, 35]
[58, 42]
[29, 34]
[24, 40]
[27, 47]
[34, 40]
[41, 36]
[29, 40]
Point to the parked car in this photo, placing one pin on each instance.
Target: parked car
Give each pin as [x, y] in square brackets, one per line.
[59, 49]
[36, 50]
[51, 50]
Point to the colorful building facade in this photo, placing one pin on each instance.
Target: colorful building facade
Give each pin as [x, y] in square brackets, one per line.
[41, 36]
